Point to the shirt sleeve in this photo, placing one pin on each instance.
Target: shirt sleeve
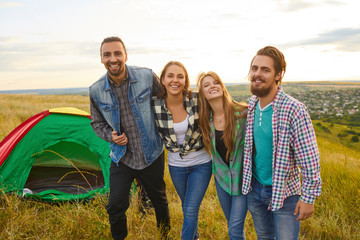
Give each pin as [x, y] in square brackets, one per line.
[98, 123]
[307, 157]
[156, 89]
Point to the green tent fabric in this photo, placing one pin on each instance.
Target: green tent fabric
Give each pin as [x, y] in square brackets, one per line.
[58, 158]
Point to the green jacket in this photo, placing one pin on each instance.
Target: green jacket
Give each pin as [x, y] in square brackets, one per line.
[229, 177]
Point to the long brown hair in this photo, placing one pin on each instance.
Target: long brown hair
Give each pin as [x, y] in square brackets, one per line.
[231, 108]
[187, 88]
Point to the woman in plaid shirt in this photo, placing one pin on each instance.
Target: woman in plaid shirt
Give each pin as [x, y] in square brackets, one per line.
[177, 119]
[223, 123]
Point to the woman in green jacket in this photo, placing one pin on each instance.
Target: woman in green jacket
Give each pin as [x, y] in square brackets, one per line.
[223, 122]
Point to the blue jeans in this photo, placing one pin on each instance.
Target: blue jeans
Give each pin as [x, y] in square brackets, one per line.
[191, 184]
[280, 224]
[235, 209]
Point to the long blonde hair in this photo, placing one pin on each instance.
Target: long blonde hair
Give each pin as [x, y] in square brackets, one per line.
[231, 108]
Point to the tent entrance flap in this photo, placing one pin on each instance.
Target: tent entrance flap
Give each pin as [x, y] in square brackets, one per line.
[65, 166]
[67, 154]
[66, 180]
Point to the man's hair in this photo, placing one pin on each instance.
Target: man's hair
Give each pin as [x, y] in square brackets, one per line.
[112, 39]
[279, 60]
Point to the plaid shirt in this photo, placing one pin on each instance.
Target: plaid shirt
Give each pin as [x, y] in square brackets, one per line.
[165, 124]
[229, 177]
[295, 146]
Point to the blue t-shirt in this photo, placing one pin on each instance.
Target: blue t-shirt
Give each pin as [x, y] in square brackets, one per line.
[263, 140]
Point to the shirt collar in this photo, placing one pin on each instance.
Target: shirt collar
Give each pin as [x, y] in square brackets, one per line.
[254, 99]
[187, 103]
[113, 84]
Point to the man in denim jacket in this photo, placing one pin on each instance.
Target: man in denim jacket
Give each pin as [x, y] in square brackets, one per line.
[122, 115]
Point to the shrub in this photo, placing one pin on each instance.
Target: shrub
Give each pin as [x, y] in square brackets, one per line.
[342, 134]
[355, 138]
[325, 129]
[350, 131]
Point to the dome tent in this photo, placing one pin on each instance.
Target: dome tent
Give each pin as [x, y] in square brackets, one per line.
[55, 156]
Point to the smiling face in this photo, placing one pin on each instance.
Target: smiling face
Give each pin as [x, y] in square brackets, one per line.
[262, 76]
[211, 88]
[114, 57]
[174, 80]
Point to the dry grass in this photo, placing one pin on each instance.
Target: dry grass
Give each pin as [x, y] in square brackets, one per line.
[16, 108]
[337, 214]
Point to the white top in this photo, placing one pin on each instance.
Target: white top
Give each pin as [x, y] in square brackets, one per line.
[191, 158]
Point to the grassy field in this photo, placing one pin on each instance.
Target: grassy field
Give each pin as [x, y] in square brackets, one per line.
[337, 214]
[242, 92]
[340, 134]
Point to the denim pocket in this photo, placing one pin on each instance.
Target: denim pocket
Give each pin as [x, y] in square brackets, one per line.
[107, 110]
[143, 101]
[106, 107]
[143, 96]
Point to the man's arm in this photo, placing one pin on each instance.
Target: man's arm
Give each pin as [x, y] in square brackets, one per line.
[307, 157]
[156, 88]
[98, 123]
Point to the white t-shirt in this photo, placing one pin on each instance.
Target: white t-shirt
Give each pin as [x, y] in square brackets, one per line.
[191, 158]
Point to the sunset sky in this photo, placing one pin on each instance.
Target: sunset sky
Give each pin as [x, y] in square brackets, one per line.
[55, 44]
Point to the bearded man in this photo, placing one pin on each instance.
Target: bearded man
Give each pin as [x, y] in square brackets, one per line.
[280, 140]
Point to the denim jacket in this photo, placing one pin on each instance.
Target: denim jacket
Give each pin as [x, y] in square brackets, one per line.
[139, 94]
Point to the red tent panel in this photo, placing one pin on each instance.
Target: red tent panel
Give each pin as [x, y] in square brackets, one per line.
[10, 141]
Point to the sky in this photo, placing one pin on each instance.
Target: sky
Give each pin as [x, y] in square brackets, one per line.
[55, 44]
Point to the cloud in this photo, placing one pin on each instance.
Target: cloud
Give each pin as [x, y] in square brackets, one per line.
[334, 2]
[19, 56]
[147, 50]
[64, 56]
[9, 39]
[238, 52]
[10, 4]
[53, 48]
[344, 39]
[230, 16]
[39, 64]
[293, 6]
[298, 5]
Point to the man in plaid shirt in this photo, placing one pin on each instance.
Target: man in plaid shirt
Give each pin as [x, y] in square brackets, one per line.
[279, 141]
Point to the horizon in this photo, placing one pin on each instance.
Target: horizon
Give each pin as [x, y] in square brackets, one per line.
[50, 45]
[192, 85]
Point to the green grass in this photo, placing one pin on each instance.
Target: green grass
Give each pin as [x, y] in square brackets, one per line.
[332, 131]
[336, 216]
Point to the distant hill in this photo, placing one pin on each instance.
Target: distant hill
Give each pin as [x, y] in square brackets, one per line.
[235, 89]
[239, 92]
[53, 91]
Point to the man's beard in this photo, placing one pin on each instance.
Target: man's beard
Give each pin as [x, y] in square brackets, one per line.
[260, 92]
[117, 73]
